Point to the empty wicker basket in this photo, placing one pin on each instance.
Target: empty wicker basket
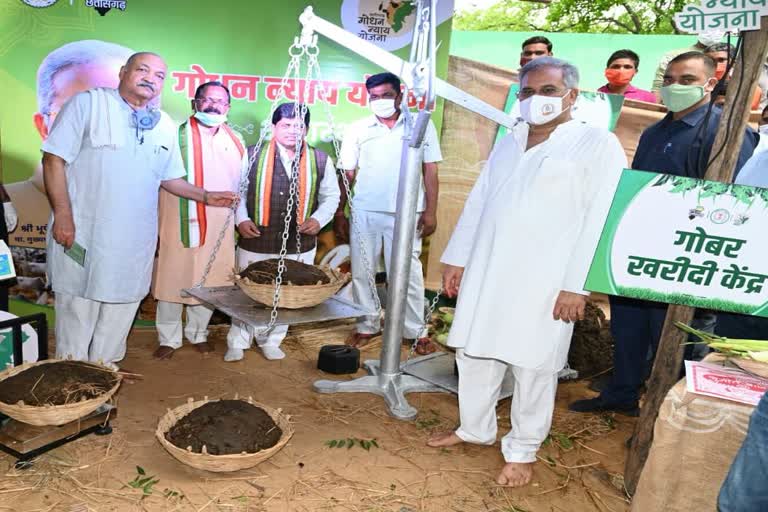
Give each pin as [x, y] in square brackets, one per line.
[295, 297]
[220, 463]
[53, 414]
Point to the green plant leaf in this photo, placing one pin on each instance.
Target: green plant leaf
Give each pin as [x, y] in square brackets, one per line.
[350, 443]
[374, 443]
[341, 443]
[140, 470]
[332, 443]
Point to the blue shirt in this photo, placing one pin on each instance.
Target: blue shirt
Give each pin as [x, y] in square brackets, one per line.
[675, 146]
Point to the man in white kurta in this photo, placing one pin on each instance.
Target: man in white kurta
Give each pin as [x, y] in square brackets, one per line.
[214, 156]
[370, 152]
[518, 258]
[104, 161]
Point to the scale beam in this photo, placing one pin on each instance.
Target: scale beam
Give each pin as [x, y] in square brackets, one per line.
[407, 71]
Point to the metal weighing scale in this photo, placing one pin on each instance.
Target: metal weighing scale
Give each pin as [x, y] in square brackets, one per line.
[26, 442]
[232, 301]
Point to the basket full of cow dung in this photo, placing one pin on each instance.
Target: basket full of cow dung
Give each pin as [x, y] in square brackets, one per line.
[302, 285]
[55, 391]
[223, 435]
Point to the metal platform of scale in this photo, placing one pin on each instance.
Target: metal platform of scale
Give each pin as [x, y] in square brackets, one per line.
[232, 301]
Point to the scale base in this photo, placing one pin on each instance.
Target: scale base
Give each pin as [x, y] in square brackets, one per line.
[26, 442]
[390, 387]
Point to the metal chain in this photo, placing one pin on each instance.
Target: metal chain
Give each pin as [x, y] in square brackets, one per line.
[296, 51]
[427, 318]
[370, 275]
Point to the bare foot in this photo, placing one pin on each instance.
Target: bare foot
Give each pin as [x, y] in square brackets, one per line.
[516, 474]
[444, 439]
[163, 352]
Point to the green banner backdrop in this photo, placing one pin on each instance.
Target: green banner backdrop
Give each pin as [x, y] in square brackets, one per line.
[53, 49]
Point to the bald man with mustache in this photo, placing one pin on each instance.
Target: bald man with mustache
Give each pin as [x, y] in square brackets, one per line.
[106, 157]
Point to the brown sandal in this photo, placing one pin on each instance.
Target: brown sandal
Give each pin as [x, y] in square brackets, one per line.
[358, 340]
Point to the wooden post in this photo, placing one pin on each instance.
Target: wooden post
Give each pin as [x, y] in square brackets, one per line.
[669, 356]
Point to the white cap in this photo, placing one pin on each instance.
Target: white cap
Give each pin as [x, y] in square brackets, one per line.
[710, 37]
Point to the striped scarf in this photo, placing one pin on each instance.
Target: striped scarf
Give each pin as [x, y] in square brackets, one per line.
[263, 189]
[193, 221]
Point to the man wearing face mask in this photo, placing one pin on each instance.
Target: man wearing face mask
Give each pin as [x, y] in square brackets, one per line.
[261, 213]
[370, 154]
[679, 144]
[214, 156]
[703, 40]
[722, 53]
[621, 68]
[531, 223]
[104, 161]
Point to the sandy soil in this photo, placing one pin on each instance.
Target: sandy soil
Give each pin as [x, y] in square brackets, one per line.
[580, 467]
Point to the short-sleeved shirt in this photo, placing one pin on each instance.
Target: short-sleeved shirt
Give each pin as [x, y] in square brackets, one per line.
[374, 150]
[682, 147]
[633, 93]
[114, 193]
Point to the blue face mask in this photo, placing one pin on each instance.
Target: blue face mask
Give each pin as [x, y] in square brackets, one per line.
[211, 119]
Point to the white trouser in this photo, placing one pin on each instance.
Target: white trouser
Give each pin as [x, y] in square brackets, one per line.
[533, 402]
[90, 330]
[168, 323]
[376, 229]
[240, 335]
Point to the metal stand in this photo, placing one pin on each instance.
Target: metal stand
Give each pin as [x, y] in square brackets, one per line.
[386, 379]
[391, 387]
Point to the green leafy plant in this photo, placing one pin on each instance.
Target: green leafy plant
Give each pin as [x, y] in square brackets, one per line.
[365, 444]
[147, 484]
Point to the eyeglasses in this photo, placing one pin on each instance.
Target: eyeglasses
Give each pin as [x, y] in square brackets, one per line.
[209, 101]
[545, 91]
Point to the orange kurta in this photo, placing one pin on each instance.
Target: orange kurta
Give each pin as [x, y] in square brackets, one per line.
[178, 267]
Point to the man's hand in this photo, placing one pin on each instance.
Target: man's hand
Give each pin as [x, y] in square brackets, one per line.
[309, 227]
[223, 199]
[452, 280]
[427, 224]
[341, 229]
[569, 307]
[248, 229]
[64, 229]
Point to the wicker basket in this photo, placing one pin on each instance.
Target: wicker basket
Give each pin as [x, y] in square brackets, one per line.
[291, 296]
[53, 414]
[220, 463]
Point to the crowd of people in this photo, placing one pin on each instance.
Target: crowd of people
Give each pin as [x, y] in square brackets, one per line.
[120, 175]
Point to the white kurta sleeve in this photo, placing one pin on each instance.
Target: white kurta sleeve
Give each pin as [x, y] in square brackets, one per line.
[432, 151]
[328, 195]
[457, 251]
[170, 163]
[66, 135]
[610, 160]
[349, 154]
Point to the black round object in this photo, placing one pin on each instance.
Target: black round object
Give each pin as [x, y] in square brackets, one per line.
[338, 359]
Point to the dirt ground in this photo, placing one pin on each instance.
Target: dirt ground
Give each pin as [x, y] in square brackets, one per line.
[579, 468]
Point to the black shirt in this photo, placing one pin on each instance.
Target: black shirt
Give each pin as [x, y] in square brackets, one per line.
[674, 146]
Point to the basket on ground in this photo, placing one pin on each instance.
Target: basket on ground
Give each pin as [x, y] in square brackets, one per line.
[220, 463]
[53, 414]
[295, 297]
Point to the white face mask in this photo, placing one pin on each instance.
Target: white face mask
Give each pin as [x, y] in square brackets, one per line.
[542, 109]
[384, 108]
[763, 130]
[209, 119]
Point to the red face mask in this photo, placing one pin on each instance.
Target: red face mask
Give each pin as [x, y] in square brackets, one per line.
[619, 77]
[720, 70]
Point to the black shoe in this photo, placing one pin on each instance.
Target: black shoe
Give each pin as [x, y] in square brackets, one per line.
[600, 383]
[598, 404]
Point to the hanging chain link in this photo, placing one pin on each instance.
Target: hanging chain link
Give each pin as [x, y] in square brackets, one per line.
[370, 275]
